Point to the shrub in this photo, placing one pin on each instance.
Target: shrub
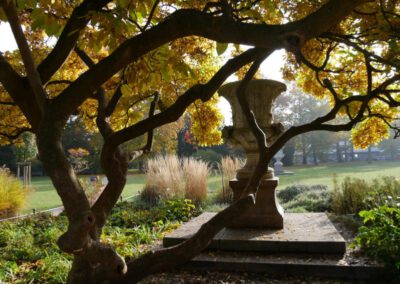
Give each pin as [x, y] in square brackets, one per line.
[305, 198]
[354, 195]
[379, 237]
[228, 168]
[349, 197]
[12, 194]
[169, 177]
[178, 210]
[385, 190]
[310, 201]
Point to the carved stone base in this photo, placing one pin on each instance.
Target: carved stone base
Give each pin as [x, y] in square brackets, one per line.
[266, 213]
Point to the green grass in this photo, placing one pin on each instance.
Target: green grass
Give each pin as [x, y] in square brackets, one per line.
[45, 196]
[324, 174]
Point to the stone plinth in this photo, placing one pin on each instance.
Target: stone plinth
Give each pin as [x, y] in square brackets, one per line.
[266, 213]
[302, 233]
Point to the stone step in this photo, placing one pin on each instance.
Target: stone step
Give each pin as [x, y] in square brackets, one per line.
[302, 233]
[305, 265]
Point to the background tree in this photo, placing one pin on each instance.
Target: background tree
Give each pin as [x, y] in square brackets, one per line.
[26, 149]
[128, 67]
[391, 148]
[294, 108]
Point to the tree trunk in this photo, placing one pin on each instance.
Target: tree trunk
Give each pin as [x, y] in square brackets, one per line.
[369, 157]
[315, 158]
[92, 259]
[338, 152]
[352, 152]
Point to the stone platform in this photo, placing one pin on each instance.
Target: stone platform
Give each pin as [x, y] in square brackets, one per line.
[302, 233]
[309, 245]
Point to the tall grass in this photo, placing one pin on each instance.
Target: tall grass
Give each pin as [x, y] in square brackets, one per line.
[196, 173]
[228, 168]
[12, 194]
[170, 177]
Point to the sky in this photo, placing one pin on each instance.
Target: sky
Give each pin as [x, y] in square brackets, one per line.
[7, 41]
[270, 67]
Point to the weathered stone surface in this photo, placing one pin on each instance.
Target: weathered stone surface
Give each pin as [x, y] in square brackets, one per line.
[266, 213]
[327, 266]
[303, 233]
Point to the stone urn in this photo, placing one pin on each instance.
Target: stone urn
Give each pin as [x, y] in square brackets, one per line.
[260, 93]
[278, 165]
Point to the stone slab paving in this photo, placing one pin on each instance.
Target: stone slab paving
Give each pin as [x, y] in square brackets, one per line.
[302, 233]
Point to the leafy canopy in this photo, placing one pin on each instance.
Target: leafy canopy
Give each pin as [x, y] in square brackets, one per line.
[358, 55]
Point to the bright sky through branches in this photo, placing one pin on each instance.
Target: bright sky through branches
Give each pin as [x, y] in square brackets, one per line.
[7, 41]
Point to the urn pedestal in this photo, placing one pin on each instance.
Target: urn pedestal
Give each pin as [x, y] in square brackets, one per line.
[260, 94]
[266, 213]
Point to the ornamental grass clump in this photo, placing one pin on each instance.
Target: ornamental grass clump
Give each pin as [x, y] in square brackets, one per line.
[196, 173]
[169, 177]
[164, 179]
[228, 168]
[12, 194]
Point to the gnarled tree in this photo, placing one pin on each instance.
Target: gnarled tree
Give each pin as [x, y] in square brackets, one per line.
[130, 66]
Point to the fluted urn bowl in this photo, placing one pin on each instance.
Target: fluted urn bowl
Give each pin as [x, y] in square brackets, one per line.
[260, 94]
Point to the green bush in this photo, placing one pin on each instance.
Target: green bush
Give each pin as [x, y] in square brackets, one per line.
[178, 210]
[12, 194]
[310, 201]
[355, 195]
[290, 192]
[305, 198]
[379, 237]
[348, 198]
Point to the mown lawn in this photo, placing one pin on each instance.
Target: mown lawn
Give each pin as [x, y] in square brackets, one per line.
[45, 197]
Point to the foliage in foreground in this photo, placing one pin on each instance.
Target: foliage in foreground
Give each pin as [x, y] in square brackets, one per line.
[12, 194]
[29, 253]
[355, 195]
[379, 237]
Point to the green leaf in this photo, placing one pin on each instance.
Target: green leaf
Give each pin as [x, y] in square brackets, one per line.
[53, 29]
[221, 47]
